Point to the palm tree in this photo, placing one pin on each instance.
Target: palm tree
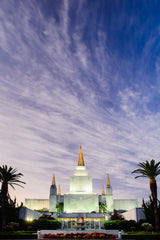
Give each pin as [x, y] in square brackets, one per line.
[151, 170]
[8, 176]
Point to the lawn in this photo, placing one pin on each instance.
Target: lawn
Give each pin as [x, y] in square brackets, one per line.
[19, 235]
[141, 235]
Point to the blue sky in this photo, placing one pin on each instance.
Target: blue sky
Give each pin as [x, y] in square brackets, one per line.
[79, 73]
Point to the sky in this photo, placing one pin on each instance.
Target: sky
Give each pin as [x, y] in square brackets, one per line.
[79, 73]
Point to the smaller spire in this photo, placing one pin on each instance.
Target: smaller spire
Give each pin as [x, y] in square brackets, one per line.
[103, 193]
[53, 181]
[80, 158]
[59, 190]
[108, 181]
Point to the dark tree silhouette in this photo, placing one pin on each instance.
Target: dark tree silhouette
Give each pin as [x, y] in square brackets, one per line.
[151, 170]
[148, 207]
[8, 176]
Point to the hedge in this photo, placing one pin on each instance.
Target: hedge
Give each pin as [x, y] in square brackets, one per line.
[121, 225]
[45, 224]
[140, 237]
[18, 235]
[40, 223]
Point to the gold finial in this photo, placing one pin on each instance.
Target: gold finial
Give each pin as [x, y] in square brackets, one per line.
[53, 180]
[80, 158]
[59, 190]
[108, 181]
[103, 193]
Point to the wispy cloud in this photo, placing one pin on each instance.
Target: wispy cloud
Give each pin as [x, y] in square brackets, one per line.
[62, 85]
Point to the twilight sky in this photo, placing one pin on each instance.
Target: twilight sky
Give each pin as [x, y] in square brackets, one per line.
[79, 72]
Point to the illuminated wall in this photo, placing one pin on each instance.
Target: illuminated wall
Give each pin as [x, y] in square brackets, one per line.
[80, 182]
[81, 203]
[109, 202]
[52, 203]
[125, 204]
[81, 199]
[134, 214]
[28, 214]
[37, 204]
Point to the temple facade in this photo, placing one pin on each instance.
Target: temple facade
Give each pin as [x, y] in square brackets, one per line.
[81, 198]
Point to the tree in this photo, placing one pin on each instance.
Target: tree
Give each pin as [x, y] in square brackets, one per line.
[8, 176]
[59, 207]
[148, 207]
[12, 211]
[151, 170]
[102, 207]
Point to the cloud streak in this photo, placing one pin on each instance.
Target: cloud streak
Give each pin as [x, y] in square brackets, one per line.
[62, 84]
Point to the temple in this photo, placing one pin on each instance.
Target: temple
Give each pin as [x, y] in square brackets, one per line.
[81, 198]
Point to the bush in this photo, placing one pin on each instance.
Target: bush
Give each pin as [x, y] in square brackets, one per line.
[14, 224]
[40, 223]
[116, 216]
[23, 225]
[147, 227]
[141, 237]
[45, 224]
[141, 221]
[8, 228]
[121, 225]
[18, 235]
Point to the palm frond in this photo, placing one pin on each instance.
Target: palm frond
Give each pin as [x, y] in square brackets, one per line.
[148, 169]
[9, 175]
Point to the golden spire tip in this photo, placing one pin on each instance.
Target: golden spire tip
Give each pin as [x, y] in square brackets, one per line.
[59, 190]
[53, 180]
[103, 193]
[80, 158]
[108, 181]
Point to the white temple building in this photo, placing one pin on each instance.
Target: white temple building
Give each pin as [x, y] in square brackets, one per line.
[81, 198]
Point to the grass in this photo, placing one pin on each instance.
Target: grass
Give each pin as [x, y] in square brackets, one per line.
[19, 235]
[141, 235]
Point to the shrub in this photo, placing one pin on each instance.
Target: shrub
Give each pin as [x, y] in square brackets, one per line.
[23, 225]
[116, 216]
[45, 224]
[141, 221]
[40, 223]
[8, 228]
[46, 216]
[121, 224]
[147, 227]
[15, 225]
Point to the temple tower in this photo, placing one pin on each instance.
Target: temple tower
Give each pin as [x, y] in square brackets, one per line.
[102, 197]
[109, 195]
[80, 182]
[53, 196]
[80, 198]
[59, 196]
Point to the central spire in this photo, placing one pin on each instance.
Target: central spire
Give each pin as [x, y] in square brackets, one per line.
[53, 181]
[108, 181]
[80, 158]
